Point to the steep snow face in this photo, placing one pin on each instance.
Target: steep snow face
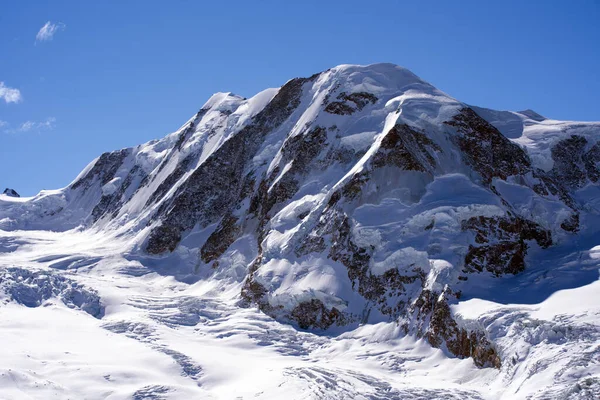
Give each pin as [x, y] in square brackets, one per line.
[360, 196]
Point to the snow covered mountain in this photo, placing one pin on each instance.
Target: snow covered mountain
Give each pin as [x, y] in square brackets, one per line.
[356, 233]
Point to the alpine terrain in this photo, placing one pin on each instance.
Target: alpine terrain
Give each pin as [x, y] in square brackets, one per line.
[357, 234]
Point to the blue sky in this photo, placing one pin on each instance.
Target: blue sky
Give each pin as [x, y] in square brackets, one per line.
[110, 74]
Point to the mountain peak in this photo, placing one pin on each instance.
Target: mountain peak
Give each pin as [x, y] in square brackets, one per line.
[378, 77]
[382, 67]
[529, 113]
[11, 192]
[358, 199]
[223, 100]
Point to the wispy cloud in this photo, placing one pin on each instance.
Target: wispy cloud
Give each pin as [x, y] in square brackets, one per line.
[27, 126]
[9, 95]
[47, 31]
[30, 126]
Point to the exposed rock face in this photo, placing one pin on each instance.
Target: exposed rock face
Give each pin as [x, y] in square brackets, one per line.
[103, 170]
[348, 104]
[443, 329]
[314, 314]
[501, 243]
[406, 149]
[574, 164]
[487, 151]
[571, 224]
[220, 239]
[387, 291]
[297, 153]
[112, 202]
[164, 238]
[11, 192]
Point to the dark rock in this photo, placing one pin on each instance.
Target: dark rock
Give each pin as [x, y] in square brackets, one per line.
[113, 202]
[301, 151]
[486, 150]
[164, 238]
[501, 243]
[387, 291]
[443, 329]
[314, 315]
[11, 192]
[574, 166]
[571, 224]
[339, 108]
[220, 240]
[591, 160]
[359, 100]
[406, 149]
[104, 169]
[569, 168]
[353, 188]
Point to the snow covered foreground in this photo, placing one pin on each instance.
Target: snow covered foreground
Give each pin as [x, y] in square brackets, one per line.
[92, 308]
[160, 338]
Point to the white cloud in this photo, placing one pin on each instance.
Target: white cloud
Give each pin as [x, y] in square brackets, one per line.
[27, 126]
[48, 30]
[48, 124]
[30, 126]
[10, 95]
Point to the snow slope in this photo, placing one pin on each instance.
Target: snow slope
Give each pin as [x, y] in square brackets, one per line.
[354, 234]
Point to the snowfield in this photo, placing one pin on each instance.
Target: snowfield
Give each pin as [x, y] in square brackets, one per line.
[162, 338]
[330, 239]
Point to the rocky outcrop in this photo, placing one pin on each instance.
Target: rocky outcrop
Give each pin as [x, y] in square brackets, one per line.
[402, 147]
[104, 169]
[11, 192]
[444, 330]
[486, 150]
[571, 224]
[220, 240]
[314, 315]
[569, 168]
[348, 104]
[501, 243]
[575, 162]
[387, 292]
[297, 154]
[164, 238]
[112, 202]
[406, 149]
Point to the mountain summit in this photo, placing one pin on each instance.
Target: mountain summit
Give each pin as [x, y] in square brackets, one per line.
[357, 197]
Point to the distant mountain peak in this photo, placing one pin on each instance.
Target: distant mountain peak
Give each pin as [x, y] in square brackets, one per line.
[11, 192]
[532, 115]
